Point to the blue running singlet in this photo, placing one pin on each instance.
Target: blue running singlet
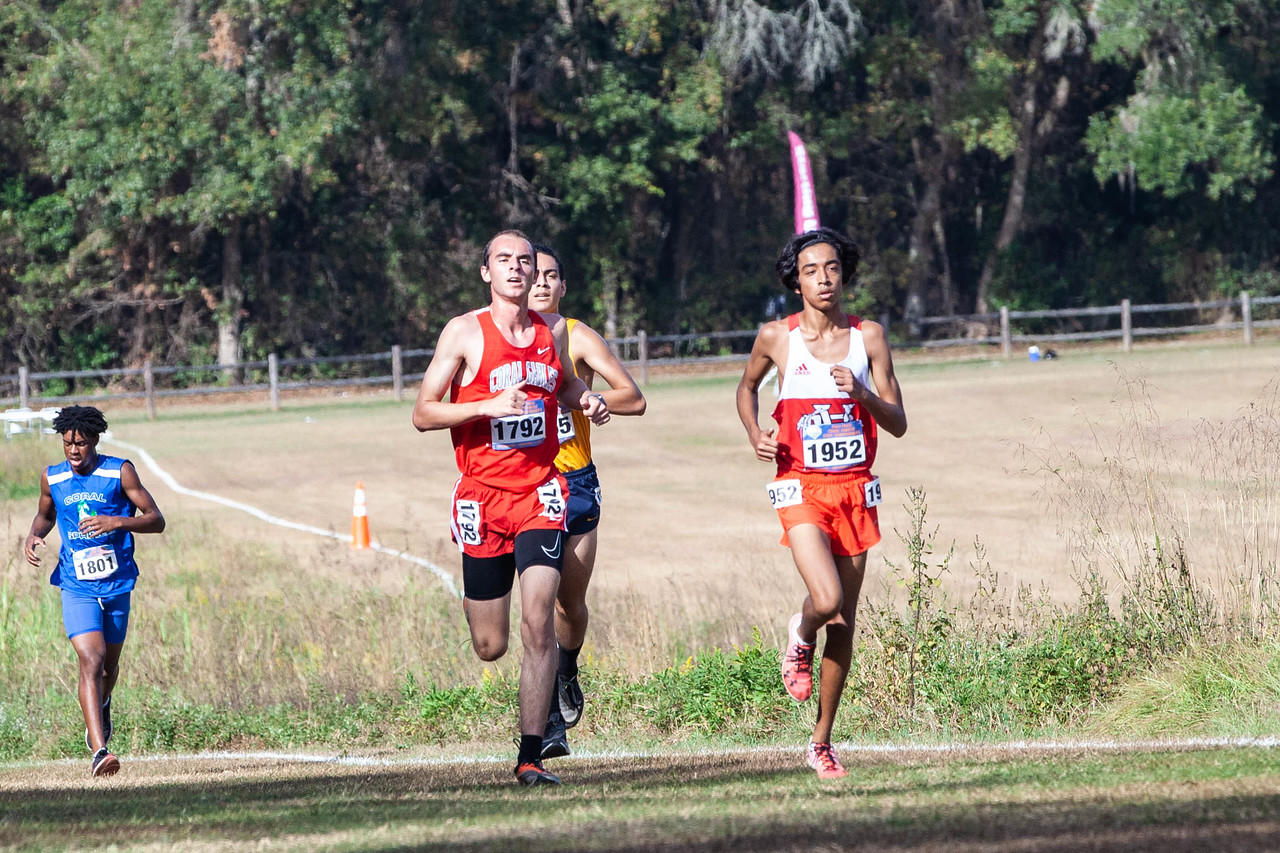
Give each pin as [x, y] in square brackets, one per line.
[96, 566]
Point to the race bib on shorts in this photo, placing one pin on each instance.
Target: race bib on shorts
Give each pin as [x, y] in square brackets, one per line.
[564, 426]
[466, 522]
[526, 429]
[785, 493]
[95, 563]
[833, 447]
[552, 499]
[871, 493]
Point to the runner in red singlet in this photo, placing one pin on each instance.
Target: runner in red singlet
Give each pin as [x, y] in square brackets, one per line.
[503, 369]
[824, 492]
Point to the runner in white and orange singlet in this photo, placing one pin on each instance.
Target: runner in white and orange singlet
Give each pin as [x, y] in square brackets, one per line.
[824, 492]
[503, 369]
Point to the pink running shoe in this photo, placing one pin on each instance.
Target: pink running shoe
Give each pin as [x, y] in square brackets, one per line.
[821, 758]
[797, 663]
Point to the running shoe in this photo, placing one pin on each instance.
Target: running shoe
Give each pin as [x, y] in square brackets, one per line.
[104, 763]
[569, 695]
[531, 773]
[106, 726]
[555, 741]
[822, 758]
[797, 663]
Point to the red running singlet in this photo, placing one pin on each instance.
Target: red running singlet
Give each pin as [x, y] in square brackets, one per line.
[822, 430]
[515, 453]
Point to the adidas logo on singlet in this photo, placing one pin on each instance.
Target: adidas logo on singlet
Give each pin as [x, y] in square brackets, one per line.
[802, 370]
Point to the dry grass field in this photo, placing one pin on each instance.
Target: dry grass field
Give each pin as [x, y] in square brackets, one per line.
[688, 538]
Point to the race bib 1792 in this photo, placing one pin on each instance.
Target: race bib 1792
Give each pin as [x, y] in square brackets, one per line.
[526, 429]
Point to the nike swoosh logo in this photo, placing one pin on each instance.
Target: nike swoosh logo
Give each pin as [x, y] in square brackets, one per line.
[553, 555]
[541, 350]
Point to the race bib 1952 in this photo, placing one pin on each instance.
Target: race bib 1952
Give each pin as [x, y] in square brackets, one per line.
[833, 447]
[871, 493]
[785, 493]
[93, 564]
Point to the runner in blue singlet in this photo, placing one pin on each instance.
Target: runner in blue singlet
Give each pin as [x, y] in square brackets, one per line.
[97, 504]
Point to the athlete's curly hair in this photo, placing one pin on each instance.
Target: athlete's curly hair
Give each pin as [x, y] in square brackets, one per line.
[787, 266]
[85, 420]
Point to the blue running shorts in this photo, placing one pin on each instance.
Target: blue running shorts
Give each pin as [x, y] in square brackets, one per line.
[584, 500]
[82, 614]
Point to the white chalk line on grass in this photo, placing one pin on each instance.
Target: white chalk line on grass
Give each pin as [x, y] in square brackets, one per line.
[154, 467]
[1011, 748]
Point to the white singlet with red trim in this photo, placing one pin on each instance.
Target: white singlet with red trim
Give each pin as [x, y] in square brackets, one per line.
[820, 428]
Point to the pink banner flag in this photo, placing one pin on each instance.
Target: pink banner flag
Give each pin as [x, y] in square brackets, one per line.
[806, 212]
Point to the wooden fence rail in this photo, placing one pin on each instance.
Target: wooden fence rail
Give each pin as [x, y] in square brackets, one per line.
[639, 352]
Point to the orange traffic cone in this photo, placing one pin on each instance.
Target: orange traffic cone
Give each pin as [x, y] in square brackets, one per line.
[359, 520]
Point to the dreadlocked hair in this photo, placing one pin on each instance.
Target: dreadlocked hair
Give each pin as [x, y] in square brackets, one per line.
[85, 420]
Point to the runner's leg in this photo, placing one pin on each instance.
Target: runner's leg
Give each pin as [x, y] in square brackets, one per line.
[571, 600]
[538, 586]
[837, 654]
[91, 651]
[490, 624]
[811, 551]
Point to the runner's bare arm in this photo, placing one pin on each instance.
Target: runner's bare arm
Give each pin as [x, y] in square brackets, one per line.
[148, 520]
[623, 396]
[46, 518]
[453, 351]
[885, 404]
[763, 356]
[574, 393]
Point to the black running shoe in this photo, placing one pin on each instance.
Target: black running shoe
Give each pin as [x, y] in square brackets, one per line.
[569, 697]
[104, 763]
[555, 742]
[531, 773]
[106, 726]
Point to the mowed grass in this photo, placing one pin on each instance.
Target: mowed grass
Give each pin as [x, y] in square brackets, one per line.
[1166, 801]
[1151, 481]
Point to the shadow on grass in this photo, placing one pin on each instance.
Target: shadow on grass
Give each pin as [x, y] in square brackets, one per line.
[676, 803]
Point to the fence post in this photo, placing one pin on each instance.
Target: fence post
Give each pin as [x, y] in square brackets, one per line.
[1246, 314]
[1126, 325]
[24, 388]
[1006, 341]
[644, 356]
[397, 372]
[149, 386]
[273, 374]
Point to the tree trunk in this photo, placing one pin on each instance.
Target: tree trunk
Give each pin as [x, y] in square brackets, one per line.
[1015, 203]
[232, 303]
[1016, 200]
[609, 299]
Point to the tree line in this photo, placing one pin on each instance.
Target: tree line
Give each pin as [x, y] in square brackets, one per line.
[200, 180]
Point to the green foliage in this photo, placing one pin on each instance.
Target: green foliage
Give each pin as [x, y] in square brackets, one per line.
[1212, 139]
[319, 177]
[713, 692]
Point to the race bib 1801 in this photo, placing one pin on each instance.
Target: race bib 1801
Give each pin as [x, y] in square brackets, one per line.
[94, 563]
[526, 429]
[833, 447]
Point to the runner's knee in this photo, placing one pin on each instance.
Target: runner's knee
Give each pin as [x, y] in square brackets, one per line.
[489, 648]
[827, 605]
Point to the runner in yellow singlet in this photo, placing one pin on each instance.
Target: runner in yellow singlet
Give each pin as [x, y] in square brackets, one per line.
[591, 357]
